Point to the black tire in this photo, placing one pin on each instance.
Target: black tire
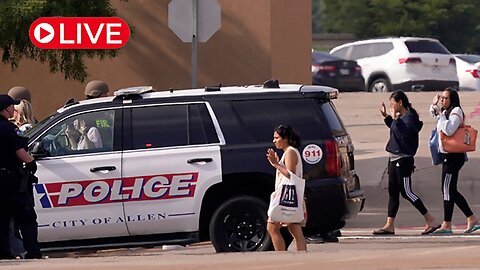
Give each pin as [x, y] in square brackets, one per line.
[380, 85]
[239, 225]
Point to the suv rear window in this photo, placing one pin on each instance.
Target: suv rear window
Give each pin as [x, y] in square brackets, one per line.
[333, 120]
[425, 46]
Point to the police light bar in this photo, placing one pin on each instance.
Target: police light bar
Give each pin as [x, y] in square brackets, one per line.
[136, 90]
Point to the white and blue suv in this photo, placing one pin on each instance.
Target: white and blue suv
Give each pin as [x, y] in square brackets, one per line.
[188, 166]
[402, 63]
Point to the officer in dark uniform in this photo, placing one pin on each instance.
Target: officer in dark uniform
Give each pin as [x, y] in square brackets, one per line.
[17, 169]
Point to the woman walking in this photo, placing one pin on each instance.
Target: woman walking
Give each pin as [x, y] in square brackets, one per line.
[404, 124]
[449, 117]
[286, 139]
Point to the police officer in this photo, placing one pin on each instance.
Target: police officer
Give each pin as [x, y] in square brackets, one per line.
[16, 200]
[20, 92]
[96, 89]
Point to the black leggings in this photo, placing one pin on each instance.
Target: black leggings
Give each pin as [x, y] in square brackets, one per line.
[400, 182]
[452, 164]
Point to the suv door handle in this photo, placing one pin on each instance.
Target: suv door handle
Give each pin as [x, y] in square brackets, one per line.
[196, 160]
[104, 168]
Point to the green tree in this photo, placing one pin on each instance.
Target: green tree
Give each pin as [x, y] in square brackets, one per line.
[455, 23]
[16, 16]
[316, 16]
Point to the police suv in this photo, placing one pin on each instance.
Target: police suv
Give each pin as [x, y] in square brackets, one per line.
[186, 166]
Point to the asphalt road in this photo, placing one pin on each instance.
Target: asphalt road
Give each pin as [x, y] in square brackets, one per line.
[357, 248]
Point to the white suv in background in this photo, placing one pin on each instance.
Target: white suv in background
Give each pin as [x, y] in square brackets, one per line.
[402, 63]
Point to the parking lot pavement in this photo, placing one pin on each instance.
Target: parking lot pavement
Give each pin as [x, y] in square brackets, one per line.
[355, 250]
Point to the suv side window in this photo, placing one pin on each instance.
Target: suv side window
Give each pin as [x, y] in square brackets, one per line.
[201, 128]
[371, 50]
[361, 51]
[90, 132]
[342, 53]
[172, 125]
[302, 114]
[381, 48]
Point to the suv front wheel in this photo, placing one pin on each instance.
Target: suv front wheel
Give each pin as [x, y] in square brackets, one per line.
[239, 224]
[381, 85]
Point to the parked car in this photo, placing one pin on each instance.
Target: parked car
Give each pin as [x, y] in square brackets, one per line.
[468, 66]
[401, 63]
[187, 166]
[330, 70]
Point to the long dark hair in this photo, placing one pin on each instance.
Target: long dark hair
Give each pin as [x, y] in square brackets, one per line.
[401, 96]
[287, 132]
[454, 101]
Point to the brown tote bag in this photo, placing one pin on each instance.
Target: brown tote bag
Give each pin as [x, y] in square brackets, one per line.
[463, 140]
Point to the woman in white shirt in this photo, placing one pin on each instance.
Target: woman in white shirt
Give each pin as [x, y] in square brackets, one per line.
[286, 139]
[89, 136]
[449, 117]
[23, 116]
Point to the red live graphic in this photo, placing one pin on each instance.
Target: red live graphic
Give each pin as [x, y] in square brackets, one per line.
[79, 33]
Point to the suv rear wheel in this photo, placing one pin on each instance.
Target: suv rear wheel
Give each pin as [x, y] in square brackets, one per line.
[380, 85]
[239, 224]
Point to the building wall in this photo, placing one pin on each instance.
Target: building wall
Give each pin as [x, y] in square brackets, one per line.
[258, 40]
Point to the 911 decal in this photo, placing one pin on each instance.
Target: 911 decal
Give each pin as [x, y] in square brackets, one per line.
[138, 188]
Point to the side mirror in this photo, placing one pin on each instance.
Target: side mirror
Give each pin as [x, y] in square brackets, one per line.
[38, 151]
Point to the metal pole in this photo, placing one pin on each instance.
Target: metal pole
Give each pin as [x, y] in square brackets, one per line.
[194, 42]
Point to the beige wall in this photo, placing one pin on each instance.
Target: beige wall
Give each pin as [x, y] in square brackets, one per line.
[258, 40]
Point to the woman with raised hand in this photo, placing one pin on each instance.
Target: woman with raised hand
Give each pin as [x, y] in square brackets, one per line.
[404, 125]
[449, 117]
[285, 138]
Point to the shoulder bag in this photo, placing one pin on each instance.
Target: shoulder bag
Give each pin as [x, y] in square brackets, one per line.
[434, 151]
[286, 202]
[463, 140]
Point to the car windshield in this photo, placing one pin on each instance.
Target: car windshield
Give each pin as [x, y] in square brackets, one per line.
[426, 46]
[470, 58]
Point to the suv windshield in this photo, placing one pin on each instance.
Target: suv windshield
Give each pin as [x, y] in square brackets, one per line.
[425, 46]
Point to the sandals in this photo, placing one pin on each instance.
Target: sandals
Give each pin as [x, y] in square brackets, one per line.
[442, 232]
[383, 232]
[431, 229]
[472, 229]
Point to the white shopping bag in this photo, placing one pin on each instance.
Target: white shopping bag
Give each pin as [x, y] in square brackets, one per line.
[286, 202]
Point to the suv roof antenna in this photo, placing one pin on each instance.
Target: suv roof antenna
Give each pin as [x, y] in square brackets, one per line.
[171, 90]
